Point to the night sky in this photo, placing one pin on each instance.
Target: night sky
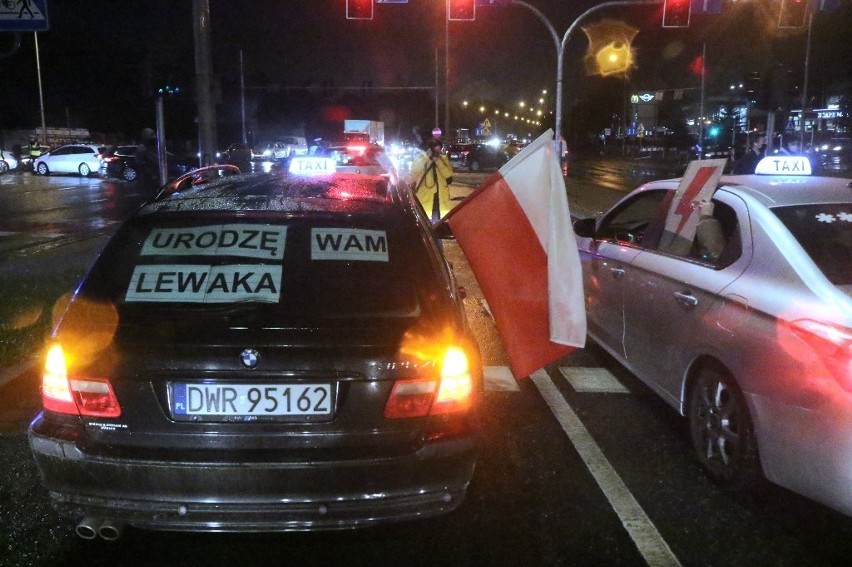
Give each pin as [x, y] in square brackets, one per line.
[100, 56]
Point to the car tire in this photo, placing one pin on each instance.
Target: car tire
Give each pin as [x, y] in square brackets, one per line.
[129, 173]
[721, 430]
[41, 168]
[4, 167]
[84, 169]
[474, 165]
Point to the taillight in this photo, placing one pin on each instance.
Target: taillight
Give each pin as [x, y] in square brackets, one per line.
[92, 397]
[833, 344]
[410, 398]
[456, 390]
[451, 393]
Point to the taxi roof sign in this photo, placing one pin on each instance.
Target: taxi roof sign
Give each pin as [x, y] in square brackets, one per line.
[783, 165]
[312, 166]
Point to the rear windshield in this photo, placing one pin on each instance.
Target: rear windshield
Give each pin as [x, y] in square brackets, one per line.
[286, 271]
[825, 232]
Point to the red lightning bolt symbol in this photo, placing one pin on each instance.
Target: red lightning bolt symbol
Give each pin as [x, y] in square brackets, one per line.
[684, 206]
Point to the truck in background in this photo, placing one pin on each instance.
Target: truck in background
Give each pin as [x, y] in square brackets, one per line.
[371, 131]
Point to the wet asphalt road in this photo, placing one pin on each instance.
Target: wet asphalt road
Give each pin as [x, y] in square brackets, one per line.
[533, 500]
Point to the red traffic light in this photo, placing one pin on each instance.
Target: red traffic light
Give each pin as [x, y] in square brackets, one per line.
[793, 13]
[461, 10]
[359, 9]
[676, 13]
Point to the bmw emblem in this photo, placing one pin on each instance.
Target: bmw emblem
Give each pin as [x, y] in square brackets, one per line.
[249, 358]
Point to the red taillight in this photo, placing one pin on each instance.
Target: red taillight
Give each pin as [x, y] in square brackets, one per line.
[452, 393]
[356, 149]
[92, 397]
[410, 398]
[833, 344]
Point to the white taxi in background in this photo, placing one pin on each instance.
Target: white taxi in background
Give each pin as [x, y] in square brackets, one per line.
[748, 331]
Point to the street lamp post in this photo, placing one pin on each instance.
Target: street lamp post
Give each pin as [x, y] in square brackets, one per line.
[805, 83]
[560, 45]
[203, 71]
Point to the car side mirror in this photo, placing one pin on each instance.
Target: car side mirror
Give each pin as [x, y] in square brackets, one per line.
[585, 227]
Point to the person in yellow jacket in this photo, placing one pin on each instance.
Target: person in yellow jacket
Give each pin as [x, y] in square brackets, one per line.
[434, 174]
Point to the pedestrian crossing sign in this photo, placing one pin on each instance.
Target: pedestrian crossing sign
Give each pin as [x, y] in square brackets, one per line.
[23, 15]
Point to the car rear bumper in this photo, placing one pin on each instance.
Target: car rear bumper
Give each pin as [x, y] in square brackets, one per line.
[257, 496]
[808, 450]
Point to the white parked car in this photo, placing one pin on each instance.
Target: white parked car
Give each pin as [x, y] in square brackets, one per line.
[7, 161]
[83, 159]
[281, 149]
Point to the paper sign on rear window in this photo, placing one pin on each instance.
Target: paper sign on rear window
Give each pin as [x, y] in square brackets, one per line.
[193, 283]
[349, 244]
[245, 240]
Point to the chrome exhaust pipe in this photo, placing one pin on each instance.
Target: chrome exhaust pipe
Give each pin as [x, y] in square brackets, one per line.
[110, 530]
[88, 528]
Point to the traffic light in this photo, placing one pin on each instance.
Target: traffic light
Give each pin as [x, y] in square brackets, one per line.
[461, 10]
[676, 13]
[792, 13]
[359, 9]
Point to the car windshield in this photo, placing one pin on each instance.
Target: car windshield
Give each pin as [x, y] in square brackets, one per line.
[825, 232]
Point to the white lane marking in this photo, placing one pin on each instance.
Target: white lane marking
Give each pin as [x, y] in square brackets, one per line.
[597, 380]
[7, 233]
[642, 531]
[500, 379]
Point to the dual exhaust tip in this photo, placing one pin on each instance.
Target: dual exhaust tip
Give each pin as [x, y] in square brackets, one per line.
[90, 528]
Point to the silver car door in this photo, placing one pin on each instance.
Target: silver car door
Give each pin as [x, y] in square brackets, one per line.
[668, 307]
[620, 237]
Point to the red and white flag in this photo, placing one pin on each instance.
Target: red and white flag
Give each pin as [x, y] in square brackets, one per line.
[516, 233]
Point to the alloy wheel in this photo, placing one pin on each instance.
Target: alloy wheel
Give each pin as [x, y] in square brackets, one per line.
[720, 427]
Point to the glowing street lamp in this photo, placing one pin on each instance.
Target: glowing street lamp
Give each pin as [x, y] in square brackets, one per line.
[614, 58]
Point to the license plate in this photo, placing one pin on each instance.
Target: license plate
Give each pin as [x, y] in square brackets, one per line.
[245, 400]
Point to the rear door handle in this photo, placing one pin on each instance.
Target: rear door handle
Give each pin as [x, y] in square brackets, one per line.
[686, 298]
[617, 273]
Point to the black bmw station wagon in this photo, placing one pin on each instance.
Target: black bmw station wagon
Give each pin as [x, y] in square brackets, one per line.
[264, 352]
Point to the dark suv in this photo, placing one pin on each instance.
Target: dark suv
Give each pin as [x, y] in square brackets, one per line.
[120, 162]
[262, 352]
[479, 156]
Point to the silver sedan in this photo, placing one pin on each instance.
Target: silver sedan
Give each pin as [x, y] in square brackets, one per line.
[746, 330]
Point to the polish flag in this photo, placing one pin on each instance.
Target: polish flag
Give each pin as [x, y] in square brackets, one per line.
[516, 233]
